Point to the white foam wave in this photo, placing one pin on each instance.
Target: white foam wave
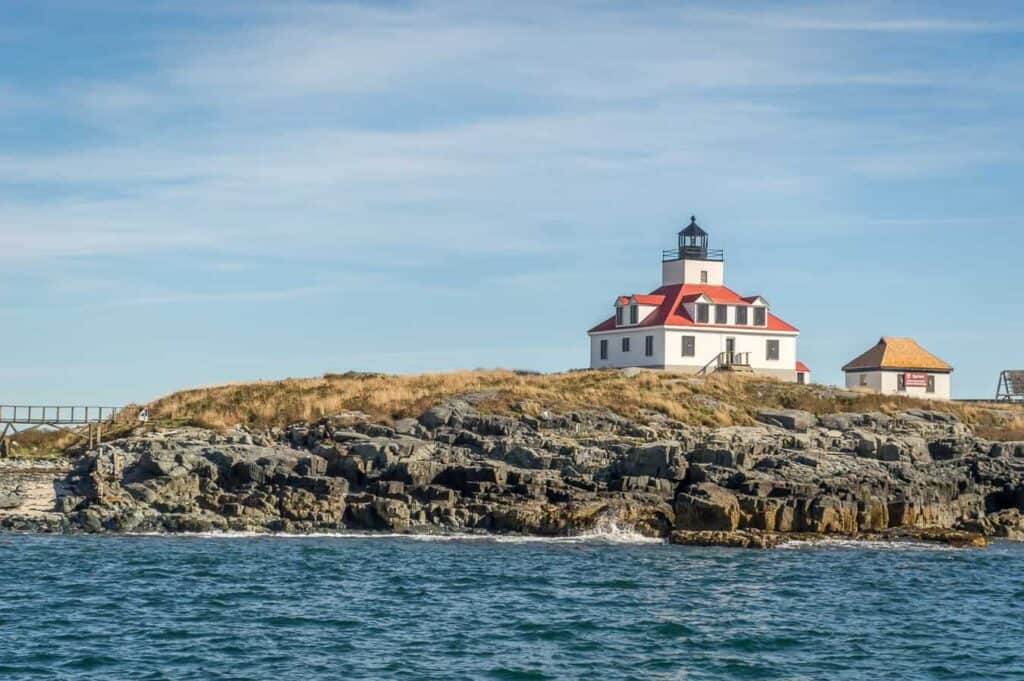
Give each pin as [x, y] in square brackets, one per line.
[863, 544]
[605, 532]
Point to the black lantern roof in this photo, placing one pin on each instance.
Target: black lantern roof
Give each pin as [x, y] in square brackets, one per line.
[693, 229]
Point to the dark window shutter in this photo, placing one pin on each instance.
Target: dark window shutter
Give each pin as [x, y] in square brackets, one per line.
[689, 346]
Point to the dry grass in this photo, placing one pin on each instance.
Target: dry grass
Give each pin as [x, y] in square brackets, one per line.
[1010, 430]
[41, 443]
[719, 400]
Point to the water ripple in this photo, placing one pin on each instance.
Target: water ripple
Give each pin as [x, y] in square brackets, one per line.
[359, 607]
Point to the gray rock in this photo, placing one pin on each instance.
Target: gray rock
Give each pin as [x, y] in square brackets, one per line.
[719, 457]
[436, 417]
[348, 436]
[790, 419]
[408, 427]
[657, 460]
[644, 484]
[527, 457]
[841, 422]
[706, 506]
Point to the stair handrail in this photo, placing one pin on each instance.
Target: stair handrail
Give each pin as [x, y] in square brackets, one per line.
[716, 360]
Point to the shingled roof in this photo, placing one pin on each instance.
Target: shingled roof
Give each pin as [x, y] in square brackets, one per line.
[897, 353]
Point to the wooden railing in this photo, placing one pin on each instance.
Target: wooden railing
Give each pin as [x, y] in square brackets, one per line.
[42, 415]
[85, 422]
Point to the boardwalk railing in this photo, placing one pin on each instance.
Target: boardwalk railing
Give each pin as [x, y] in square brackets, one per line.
[55, 416]
[82, 421]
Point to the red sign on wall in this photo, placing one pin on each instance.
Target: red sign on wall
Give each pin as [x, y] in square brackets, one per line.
[915, 379]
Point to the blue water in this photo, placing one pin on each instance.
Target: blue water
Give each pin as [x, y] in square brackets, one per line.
[397, 608]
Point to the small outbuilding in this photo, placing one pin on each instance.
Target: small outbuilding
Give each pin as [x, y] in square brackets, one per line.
[899, 366]
[803, 373]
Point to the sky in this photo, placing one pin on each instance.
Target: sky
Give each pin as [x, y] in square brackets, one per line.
[196, 192]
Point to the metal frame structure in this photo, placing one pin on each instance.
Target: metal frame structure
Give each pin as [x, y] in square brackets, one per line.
[82, 421]
[1010, 387]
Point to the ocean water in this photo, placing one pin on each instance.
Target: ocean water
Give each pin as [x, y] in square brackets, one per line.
[607, 606]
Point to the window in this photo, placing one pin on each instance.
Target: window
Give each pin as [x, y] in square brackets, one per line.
[721, 314]
[863, 380]
[618, 316]
[901, 382]
[604, 349]
[625, 344]
[649, 346]
[760, 316]
[801, 378]
[702, 313]
[931, 384]
[703, 276]
[741, 315]
[634, 314]
[689, 346]
[772, 351]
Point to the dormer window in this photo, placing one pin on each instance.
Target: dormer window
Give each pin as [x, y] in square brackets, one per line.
[721, 314]
[741, 315]
[702, 313]
[760, 316]
[618, 316]
[634, 314]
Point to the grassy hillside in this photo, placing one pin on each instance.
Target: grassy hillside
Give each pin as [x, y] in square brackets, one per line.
[718, 400]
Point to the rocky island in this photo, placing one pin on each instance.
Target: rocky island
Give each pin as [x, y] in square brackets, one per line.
[500, 460]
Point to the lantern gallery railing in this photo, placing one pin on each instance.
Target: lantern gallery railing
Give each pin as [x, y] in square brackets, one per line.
[693, 253]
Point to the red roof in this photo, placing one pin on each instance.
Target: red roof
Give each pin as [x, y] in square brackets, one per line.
[800, 366]
[643, 299]
[670, 311]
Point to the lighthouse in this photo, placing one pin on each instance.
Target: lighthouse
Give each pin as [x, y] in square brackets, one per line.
[694, 323]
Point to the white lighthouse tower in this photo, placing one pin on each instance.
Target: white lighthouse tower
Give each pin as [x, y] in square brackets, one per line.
[693, 262]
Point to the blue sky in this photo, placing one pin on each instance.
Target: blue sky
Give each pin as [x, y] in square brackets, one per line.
[195, 192]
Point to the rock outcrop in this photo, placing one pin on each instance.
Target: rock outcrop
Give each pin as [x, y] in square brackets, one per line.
[456, 469]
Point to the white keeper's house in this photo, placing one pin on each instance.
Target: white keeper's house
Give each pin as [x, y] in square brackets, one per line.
[694, 323]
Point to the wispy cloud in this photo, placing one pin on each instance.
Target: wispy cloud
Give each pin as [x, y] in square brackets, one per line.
[217, 297]
[438, 127]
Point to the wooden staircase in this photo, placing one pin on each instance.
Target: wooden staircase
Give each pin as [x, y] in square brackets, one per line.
[738, 362]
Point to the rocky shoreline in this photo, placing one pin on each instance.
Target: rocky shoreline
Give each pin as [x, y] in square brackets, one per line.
[914, 475]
